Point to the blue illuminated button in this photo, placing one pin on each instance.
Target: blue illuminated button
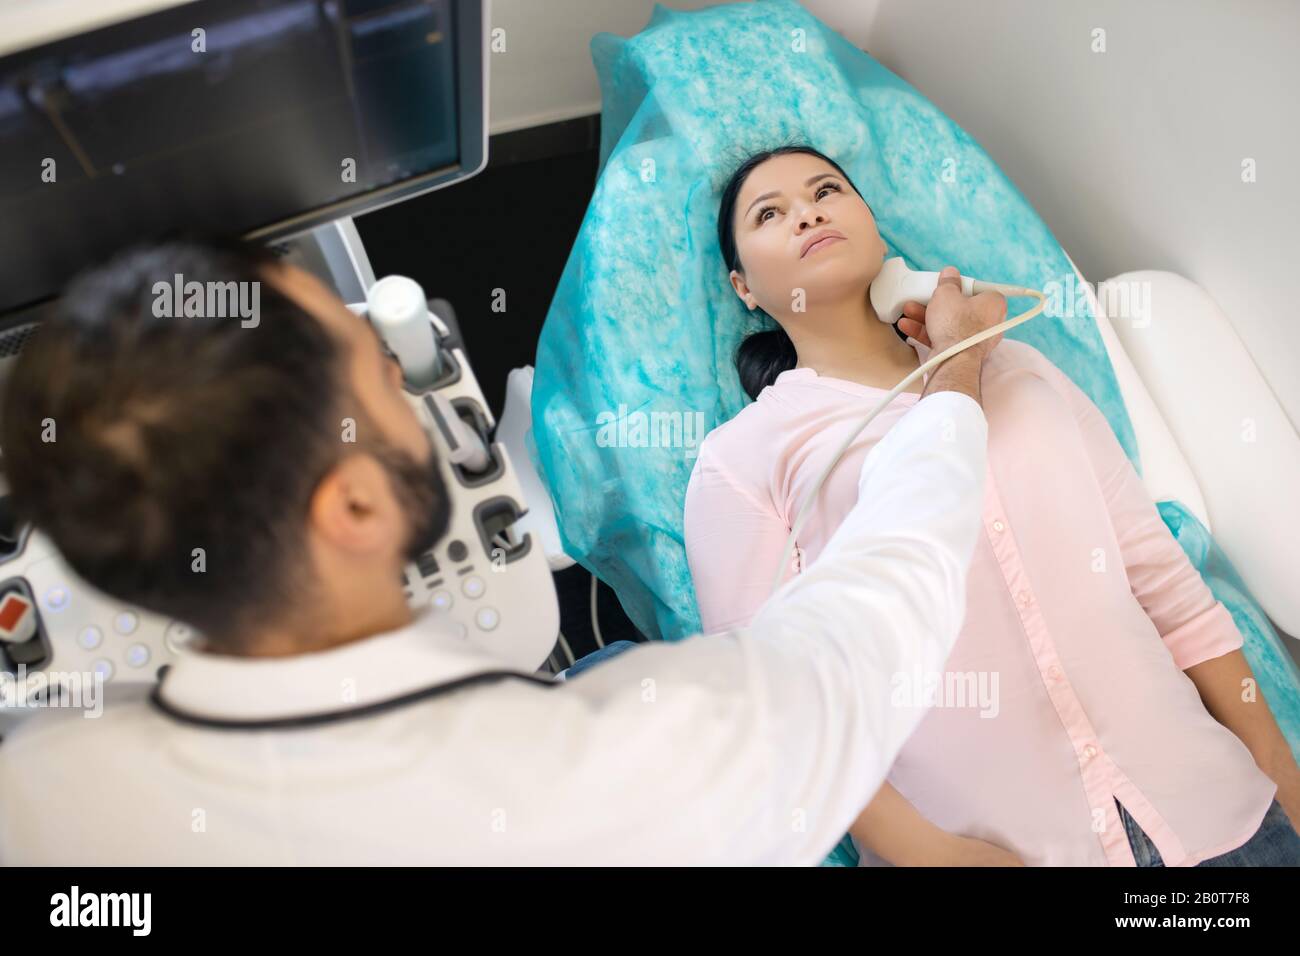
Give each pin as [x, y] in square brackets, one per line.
[442, 600]
[126, 623]
[56, 598]
[104, 667]
[90, 637]
[487, 618]
[473, 586]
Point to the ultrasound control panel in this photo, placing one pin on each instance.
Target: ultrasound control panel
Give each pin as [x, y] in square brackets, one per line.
[58, 623]
[493, 584]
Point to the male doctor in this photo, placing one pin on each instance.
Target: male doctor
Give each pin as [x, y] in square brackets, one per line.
[322, 724]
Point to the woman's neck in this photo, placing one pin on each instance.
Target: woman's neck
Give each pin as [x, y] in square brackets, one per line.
[846, 340]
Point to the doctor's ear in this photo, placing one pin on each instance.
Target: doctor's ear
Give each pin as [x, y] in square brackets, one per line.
[352, 506]
[742, 289]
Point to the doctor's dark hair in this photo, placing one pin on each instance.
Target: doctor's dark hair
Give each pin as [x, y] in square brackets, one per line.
[761, 356]
[134, 440]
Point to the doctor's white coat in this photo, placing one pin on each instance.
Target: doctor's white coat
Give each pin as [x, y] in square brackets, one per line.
[757, 746]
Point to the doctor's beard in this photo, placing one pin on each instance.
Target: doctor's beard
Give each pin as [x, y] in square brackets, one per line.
[421, 494]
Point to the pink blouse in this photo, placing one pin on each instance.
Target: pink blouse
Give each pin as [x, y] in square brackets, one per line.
[1065, 688]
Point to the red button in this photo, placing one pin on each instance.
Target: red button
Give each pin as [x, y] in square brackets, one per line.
[15, 621]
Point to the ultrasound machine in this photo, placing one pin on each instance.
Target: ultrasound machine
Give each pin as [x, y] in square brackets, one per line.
[278, 121]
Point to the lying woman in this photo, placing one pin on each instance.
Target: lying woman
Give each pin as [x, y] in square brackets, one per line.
[1092, 711]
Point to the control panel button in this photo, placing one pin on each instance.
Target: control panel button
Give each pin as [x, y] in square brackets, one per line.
[441, 599]
[473, 586]
[137, 655]
[487, 618]
[177, 635]
[17, 618]
[427, 565]
[126, 622]
[57, 598]
[457, 551]
[104, 667]
[90, 637]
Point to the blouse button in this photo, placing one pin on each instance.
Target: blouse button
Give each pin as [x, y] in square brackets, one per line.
[1023, 598]
[1054, 672]
[1090, 751]
[999, 526]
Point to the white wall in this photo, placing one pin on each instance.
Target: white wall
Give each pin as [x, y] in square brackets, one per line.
[545, 74]
[1132, 156]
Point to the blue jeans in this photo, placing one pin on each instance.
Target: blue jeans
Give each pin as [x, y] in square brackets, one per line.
[595, 657]
[1275, 843]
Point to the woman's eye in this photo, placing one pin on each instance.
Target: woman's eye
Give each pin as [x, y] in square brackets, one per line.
[762, 216]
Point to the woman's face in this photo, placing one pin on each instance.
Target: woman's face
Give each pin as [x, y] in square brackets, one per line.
[787, 202]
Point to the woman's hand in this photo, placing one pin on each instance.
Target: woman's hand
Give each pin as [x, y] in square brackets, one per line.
[967, 851]
[1288, 792]
[890, 827]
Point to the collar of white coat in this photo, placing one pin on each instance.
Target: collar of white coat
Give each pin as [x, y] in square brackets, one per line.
[359, 674]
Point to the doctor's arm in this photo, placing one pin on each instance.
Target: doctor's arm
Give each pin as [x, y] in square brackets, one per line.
[762, 745]
[733, 543]
[886, 598]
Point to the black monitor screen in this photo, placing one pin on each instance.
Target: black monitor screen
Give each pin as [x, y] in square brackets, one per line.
[230, 117]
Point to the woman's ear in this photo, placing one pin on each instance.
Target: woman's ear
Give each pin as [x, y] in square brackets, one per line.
[742, 289]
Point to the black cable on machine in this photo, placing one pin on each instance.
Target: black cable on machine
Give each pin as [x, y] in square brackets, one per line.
[573, 588]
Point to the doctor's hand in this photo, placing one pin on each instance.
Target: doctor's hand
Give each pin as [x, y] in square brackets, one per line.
[912, 324]
[951, 316]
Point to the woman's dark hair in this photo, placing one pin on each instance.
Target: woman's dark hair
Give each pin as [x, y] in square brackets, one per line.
[762, 356]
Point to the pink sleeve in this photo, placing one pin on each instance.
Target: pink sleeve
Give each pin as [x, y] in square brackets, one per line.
[733, 544]
[1194, 626]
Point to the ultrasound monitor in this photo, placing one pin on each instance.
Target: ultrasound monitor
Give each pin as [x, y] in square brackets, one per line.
[261, 118]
